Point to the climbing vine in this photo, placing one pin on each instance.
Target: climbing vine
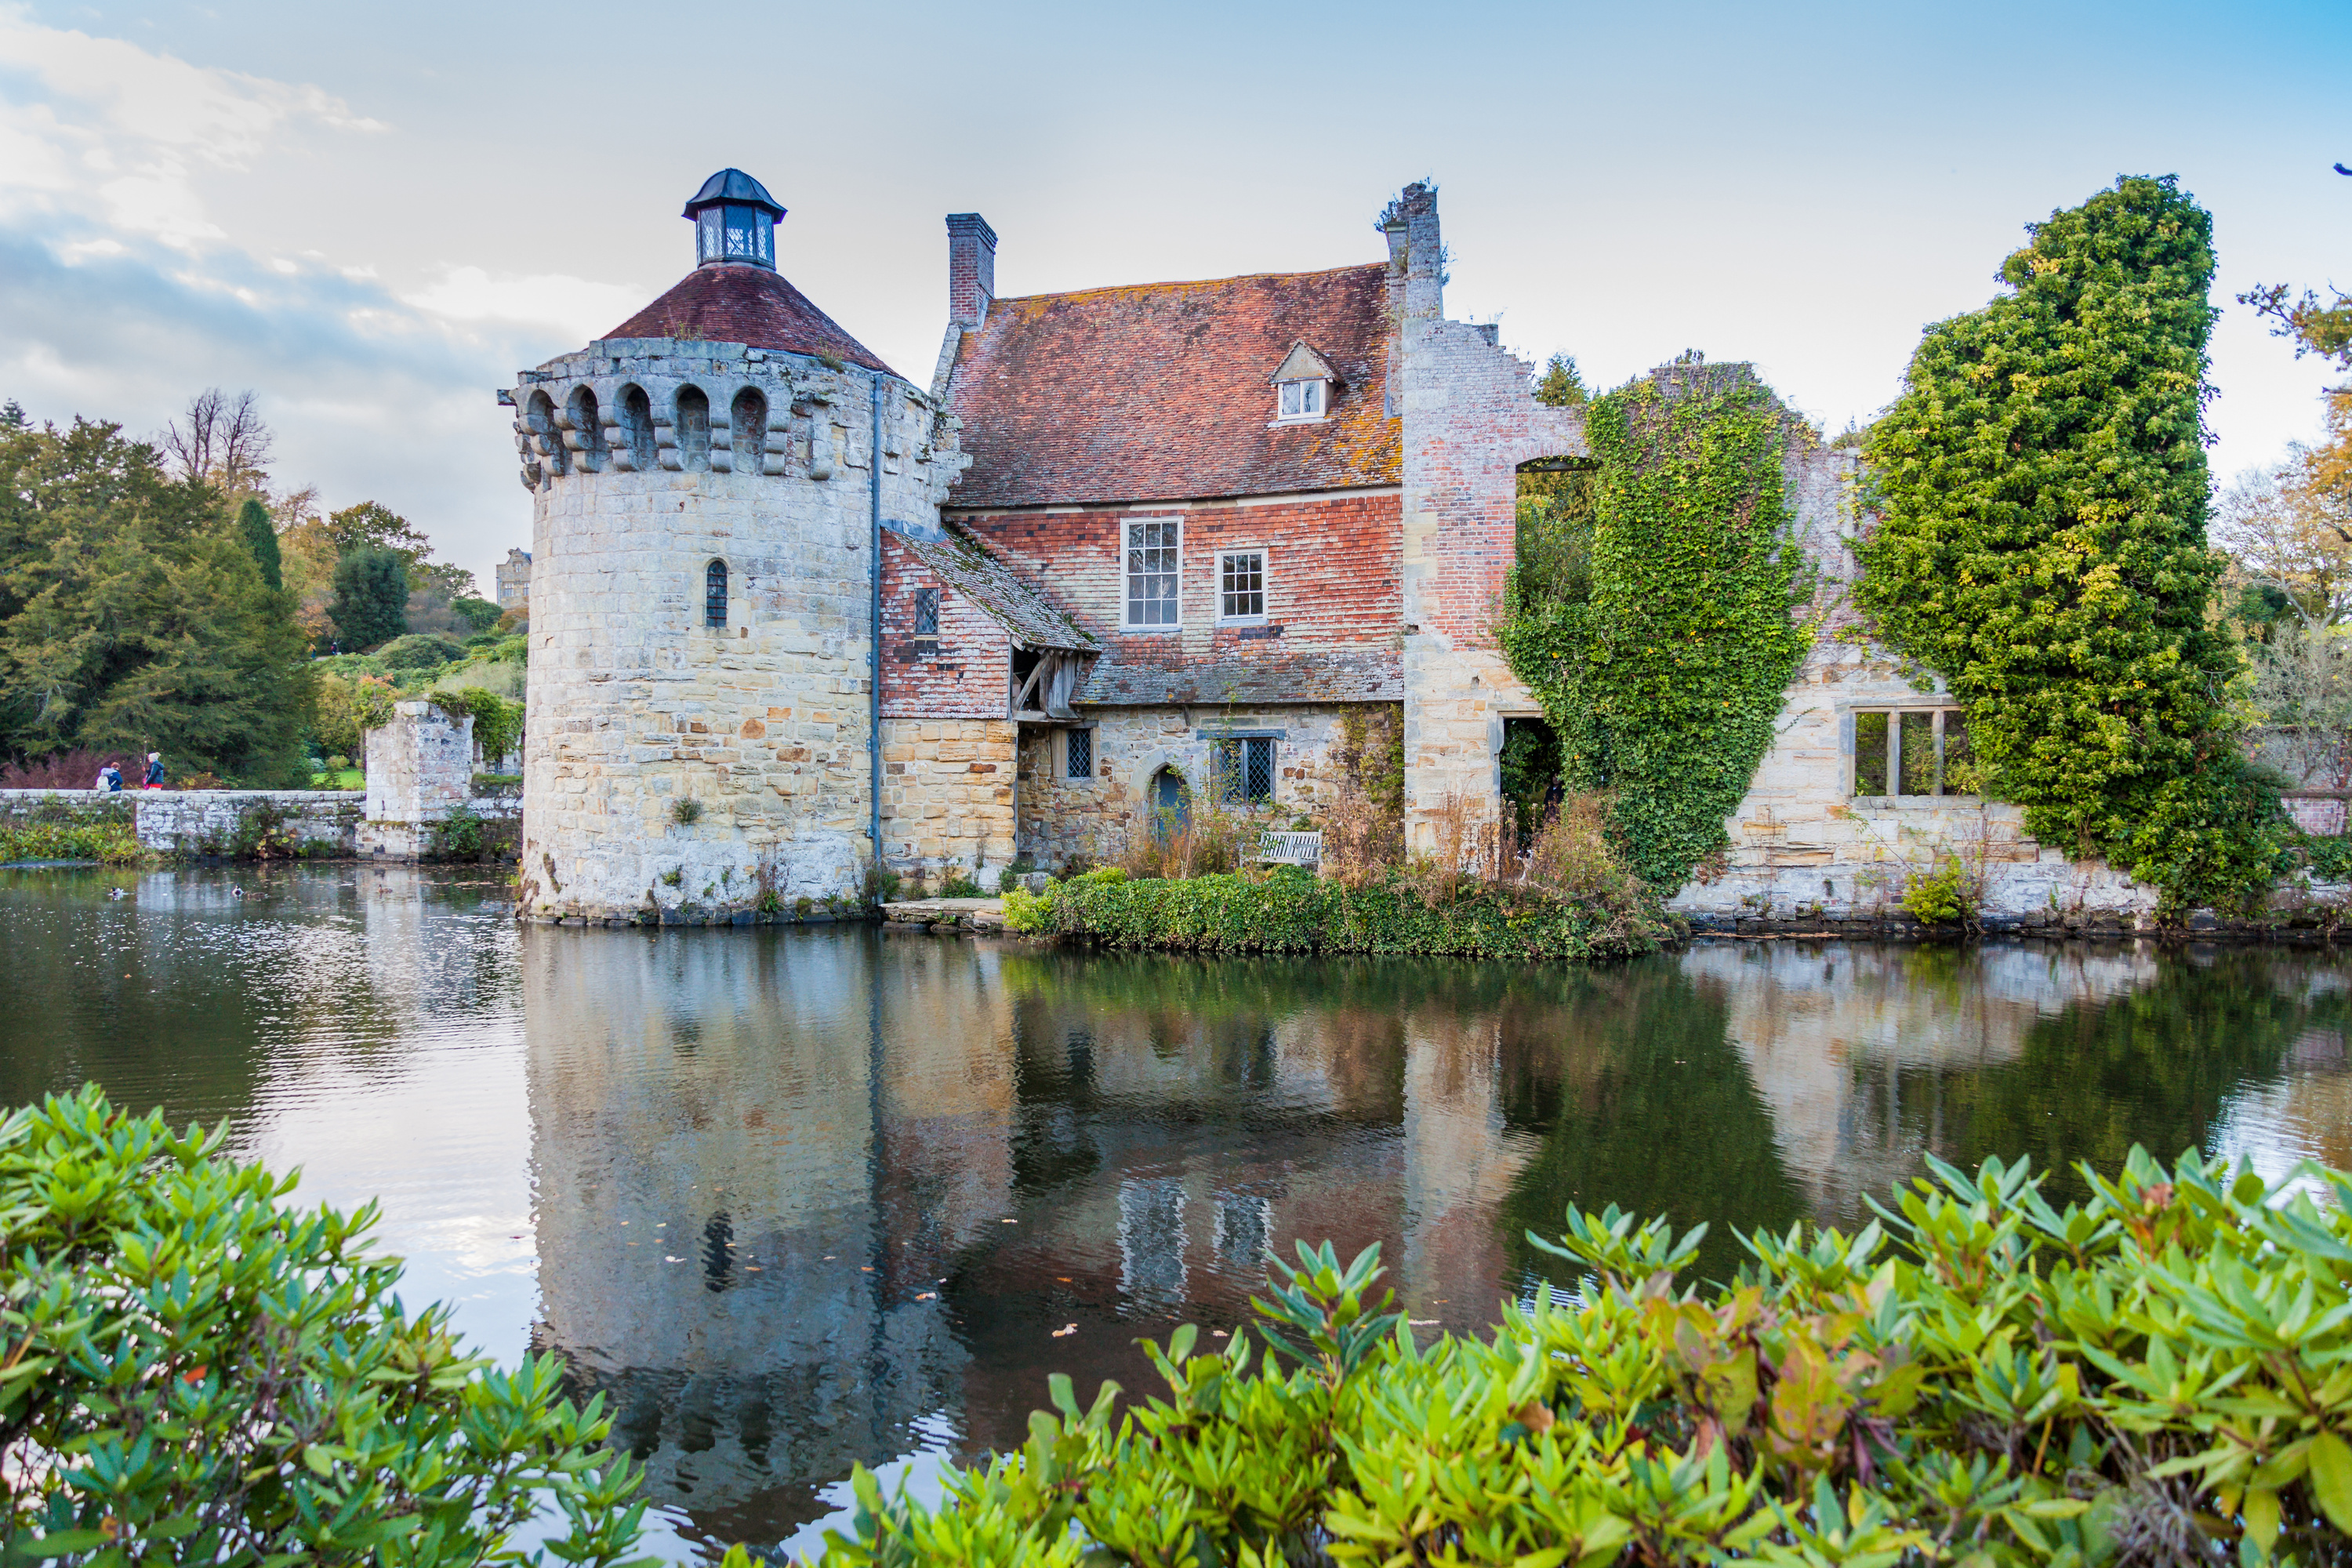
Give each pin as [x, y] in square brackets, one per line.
[1651, 608]
[2042, 490]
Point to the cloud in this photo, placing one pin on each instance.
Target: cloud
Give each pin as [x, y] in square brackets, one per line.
[121, 293]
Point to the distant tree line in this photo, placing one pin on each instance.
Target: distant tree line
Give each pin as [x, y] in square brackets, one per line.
[158, 595]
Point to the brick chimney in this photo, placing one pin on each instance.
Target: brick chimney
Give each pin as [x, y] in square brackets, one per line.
[971, 269]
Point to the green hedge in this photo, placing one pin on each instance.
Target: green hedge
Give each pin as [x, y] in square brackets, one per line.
[2161, 1375]
[1290, 911]
[193, 1370]
[112, 838]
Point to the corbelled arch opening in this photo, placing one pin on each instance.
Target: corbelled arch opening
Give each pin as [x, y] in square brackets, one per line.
[747, 427]
[546, 436]
[690, 419]
[588, 426]
[636, 424]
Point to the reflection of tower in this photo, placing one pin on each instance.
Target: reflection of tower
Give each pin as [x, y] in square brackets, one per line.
[1459, 1158]
[710, 1135]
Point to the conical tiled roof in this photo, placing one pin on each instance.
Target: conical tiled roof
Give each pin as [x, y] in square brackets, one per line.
[735, 303]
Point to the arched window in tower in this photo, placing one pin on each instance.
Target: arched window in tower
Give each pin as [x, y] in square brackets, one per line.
[714, 595]
[692, 421]
[637, 428]
[587, 427]
[747, 424]
[538, 419]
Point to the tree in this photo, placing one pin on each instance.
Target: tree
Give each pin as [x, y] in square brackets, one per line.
[1559, 385]
[371, 525]
[222, 441]
[133, 615]
[2041, 490]
[2285, 530]
[371, 604]
[261, 538]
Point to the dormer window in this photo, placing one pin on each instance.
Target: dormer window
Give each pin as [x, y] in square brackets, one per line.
[1302, 386]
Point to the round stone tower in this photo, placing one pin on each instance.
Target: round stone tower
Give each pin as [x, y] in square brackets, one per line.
[709, 483]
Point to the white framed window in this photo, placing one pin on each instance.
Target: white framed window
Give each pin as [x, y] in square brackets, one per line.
[1155, 560]
[1299, 399]
[1241, 585]
[1078, 755]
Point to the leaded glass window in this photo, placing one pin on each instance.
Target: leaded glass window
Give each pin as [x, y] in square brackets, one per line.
[1245, 768]
[1079, 754]
[926, 612]
[714, 594]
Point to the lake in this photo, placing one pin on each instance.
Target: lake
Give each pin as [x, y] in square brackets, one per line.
[795, 1198]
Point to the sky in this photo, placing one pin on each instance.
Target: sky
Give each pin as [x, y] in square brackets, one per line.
[372, 216]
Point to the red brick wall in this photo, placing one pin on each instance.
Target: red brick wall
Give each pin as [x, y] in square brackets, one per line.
[1332, 576]
[966, 677]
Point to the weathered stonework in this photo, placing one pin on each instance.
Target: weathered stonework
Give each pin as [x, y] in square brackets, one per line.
[678, 763]
[201, 822]
[947, 797]
[1062, 819]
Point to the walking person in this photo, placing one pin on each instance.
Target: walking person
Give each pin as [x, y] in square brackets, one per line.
[110, 778]
[154, 770]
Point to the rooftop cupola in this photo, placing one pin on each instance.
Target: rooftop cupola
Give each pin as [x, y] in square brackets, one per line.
[734, 220]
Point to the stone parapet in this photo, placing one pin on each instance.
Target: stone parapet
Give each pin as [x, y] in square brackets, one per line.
[226, 821]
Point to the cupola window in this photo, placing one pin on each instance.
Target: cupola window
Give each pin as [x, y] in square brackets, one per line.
[1302, 386]
[734, 220]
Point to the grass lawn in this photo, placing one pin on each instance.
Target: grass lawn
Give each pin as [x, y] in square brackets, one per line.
[350, 778]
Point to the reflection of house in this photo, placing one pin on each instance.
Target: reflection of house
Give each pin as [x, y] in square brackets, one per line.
[1831, 1037]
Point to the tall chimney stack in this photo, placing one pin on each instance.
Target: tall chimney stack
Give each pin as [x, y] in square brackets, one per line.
[971, 269]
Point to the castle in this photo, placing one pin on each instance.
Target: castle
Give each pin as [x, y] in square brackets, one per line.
[1130, 543]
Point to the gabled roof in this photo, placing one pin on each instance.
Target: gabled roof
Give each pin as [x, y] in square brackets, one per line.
[1161, 392]
[732, 303]
[1304, 363]
[962, 564]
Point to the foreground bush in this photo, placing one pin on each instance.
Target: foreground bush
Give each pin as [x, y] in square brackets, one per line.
[2163, 1376]
[192, 1372]
[1290, 911]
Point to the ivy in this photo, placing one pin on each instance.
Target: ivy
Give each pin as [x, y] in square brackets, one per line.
[1651, 608]
[498, 722]
[2042, 489]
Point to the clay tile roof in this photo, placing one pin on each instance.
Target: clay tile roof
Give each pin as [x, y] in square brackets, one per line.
[735, 302]
[961, 563]
[1161, 392]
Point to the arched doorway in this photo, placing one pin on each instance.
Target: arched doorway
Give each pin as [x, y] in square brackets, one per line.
[1171, 802]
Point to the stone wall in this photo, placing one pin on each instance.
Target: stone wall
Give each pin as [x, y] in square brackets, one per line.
[1095, 819]
[947, 797]
[191, 822]
[666, 755]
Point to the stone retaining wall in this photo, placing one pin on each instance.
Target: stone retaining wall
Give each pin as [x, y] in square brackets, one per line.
[242, 822]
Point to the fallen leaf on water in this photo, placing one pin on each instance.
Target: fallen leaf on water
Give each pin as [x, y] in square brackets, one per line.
[1217, 1334]
[1420, 1322]
[865, 1269]
[1063, 1278]
[929, 1296]
[667, 1260]
[1071, 1330]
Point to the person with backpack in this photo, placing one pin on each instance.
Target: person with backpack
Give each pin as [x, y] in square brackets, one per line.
[154, 770]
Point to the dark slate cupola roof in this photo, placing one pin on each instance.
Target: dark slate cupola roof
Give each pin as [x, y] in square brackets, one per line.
[735, 295]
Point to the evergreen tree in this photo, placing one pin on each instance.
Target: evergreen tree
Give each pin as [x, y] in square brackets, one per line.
[261, 538]
[2042, 493]
[371, 604]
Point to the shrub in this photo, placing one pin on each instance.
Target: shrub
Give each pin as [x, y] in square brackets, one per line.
[2156, 1376]
[198, 1373]
[459, 836]
[686, 811]
[421, 650]
[74, 769]
[960, 885]
[107, 833]
[1949, 893]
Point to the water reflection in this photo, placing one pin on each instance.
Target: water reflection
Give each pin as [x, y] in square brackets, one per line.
[795, 1200]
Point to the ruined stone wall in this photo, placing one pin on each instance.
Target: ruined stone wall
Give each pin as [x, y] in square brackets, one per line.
[194, 822]
[1470, 420]
[947, 797]
[1094, 819]
[639, 707]
[1804, 846]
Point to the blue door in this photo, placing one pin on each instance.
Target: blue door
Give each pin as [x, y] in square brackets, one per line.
[1171, 803]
